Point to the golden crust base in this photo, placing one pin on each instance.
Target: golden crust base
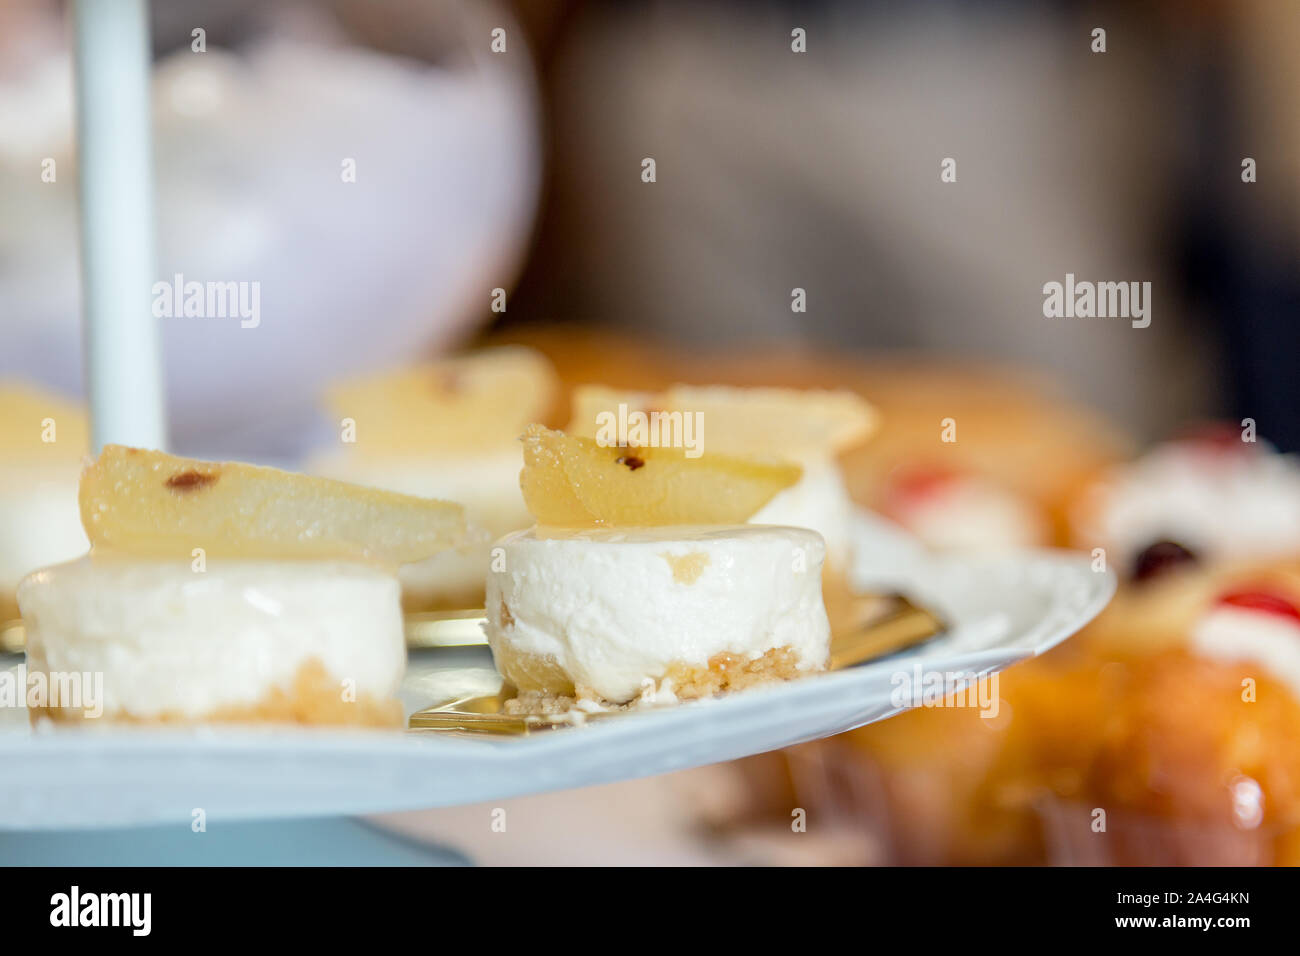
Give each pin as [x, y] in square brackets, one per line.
[724, 672]
[315, 698]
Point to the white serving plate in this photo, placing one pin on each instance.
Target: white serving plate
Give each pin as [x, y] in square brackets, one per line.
[1004, 608]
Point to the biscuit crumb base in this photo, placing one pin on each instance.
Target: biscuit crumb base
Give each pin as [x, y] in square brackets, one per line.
[315, 698]
[724, 672]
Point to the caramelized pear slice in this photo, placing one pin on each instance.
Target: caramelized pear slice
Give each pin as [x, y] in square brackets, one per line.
[570, 481]
[781, 422]
[457, 404]
[149, 503]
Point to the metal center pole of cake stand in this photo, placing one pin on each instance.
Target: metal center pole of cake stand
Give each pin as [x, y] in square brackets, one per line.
[123, 341]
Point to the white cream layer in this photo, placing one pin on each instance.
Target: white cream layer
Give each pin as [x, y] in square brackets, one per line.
[613, 607]
[485, 483]
[170, 640]
[40, 523]
[818, 501]
[1242, 634]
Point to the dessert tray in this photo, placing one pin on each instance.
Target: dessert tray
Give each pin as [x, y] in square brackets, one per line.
[1000, 609]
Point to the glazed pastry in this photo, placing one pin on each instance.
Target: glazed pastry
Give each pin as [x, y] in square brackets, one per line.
[1212, 497]
[1186, 741]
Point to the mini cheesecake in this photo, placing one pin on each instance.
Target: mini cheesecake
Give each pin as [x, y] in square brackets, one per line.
[310, 642]
[608, 614]
[229, 592]
[447, 429]
[641, 579]
[484, 482]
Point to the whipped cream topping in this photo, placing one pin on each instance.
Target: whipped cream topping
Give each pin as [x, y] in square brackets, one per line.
[1238, 501]
[1244, 634]
[818, 500]
[170, 640]
[615, 607]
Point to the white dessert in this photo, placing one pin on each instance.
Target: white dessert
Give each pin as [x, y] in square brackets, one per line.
[965, 513]
[39, 522]
[604, 613]
[451, 578]
[1220, 501]
[485, 483]
[819, 501]
[310, 641]
[1231, 633]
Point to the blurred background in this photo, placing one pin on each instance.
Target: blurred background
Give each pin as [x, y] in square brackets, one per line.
[521, 167]
[775, 170]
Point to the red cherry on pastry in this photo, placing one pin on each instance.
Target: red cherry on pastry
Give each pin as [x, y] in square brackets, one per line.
[1261, 601]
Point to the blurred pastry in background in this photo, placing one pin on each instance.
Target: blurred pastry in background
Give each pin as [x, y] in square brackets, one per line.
[952, 511]
[447, 429]
[1182, 525]
[1177, 523]
[1003, 441]
[1141, 715]
[1017, 455]
[1131, 715]
[1159, 610]
[1192, 750]
[1187, 743]
[43, 438]
[1215, 495]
